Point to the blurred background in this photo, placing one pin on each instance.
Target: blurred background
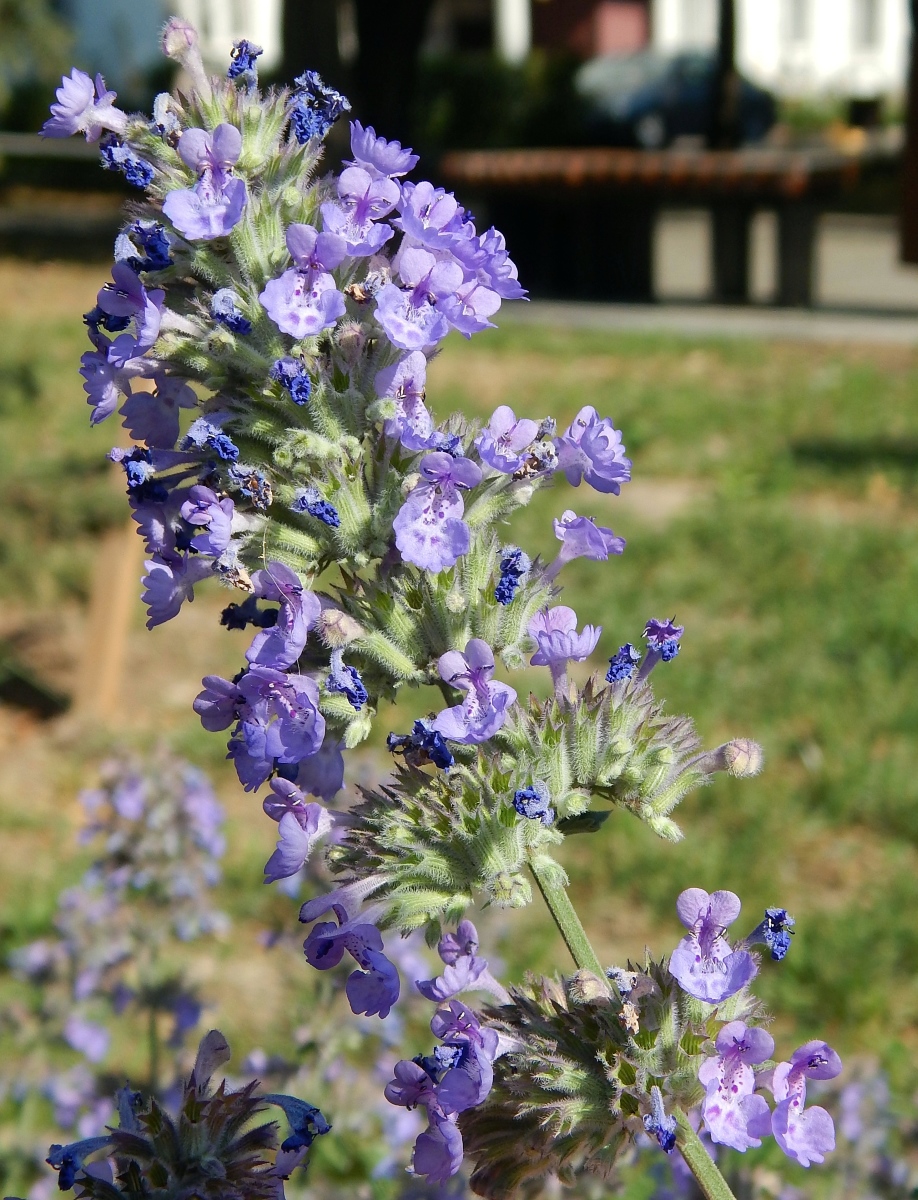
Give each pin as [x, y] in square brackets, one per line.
[715, 206]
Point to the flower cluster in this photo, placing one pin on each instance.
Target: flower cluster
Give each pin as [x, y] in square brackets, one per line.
[200, 1150]
[295, 317]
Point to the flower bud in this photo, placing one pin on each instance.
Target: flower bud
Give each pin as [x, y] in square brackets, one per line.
[586, 988]
[456, 600]
[743, 757]
[180, 42]
[338, 629]
[509, 890]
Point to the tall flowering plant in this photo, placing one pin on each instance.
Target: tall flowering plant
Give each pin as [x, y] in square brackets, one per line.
[294, 315]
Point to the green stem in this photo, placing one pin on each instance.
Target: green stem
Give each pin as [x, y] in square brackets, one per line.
[699, 1162]
[709, 1179]
[569, 926]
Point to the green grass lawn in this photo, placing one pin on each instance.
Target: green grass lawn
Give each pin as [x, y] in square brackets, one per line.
[774, 510]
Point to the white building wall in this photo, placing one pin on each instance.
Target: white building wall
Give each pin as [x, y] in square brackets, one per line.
[801, 47]
[222, 22]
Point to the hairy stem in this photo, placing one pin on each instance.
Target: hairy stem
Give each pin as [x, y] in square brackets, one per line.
[709, 1179]
[569, 926]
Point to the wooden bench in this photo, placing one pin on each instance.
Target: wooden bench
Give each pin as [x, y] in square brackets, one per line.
[579, 222]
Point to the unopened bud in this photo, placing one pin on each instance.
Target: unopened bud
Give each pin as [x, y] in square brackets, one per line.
[586, 988]
[742, 758]
[456, 601]
[213, 1052]
[338, 629]
[179, 38]
[509, 890]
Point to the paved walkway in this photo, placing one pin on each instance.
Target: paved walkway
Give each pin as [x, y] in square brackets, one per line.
[707, 321]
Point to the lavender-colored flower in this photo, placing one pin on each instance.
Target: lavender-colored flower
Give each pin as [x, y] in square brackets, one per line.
[346, 680]
[213, 207]
[206, 433]
[304, 300]
[514, 567]
[430, 216]
[126, 296]
[278, 716]
[205, 507]
[87, 1037]
[169, 584]
[322, 774]
[581, 537]
[422, 746]
[83, 108]
[504, 442]
[775, 931]
[310, 500]
[804, 1134]
[376, 155]
[464, 970]
[144, 246]
[372, 990]
[292, 375]
[410, 316]
[306, 1121]
[534, 803]
[68, 1160]
[153, 418]
[703, 962]
[282, 645]
[468, 308]
[405, 383]
[116, 156]
[495, 267]
[622, 663]
[363, 200]
[663, 637]
[107, 372]
[555, 631]
[484, 709]
[429, 530]
[299, 829]
[315, 107]
[243, 60]
[224, 308]
[438, 1150]
[729, 1081]
[659, 1124]
[591, 449]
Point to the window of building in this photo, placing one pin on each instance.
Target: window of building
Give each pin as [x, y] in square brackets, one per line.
[866, 24]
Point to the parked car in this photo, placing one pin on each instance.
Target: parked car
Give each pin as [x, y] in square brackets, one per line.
[649, 99]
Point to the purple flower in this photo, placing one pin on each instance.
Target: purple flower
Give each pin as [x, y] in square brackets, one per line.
[205, 507]
[278, 717]
[292, 375]
[116, 156]
[107, 371]
[214, 205]
[659, 1124]
[219, 704]
[514, 567]
[282, 645]
[429, 530]
[775, 931]
[430, 216]
[126, 296]
[468, 308]
[581, 537]
[90, 1039]
[496, 269]
[206, 433]
[405, 383]
[592, 449]
[68, 1160]
[729, 1081]
[153, 418]
[154, 245]
[422, 746]
[310, 500]
[555, 631]
[534, 803]
[306, 1121]
[315, 107]
[376, 155]
[662, 644]
[484, 709]
[300, 827]
[304, 300]
[169, 584]
[503, 442]
[346, 680]
[224, 308]
[364, 199]
[322, 774]
[243, 60]
[703, 962]
[804, 1134]
[410, 316]
[438, 1150]
[622, 663]
[464, 970]
[83, 108]
[372, 990]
